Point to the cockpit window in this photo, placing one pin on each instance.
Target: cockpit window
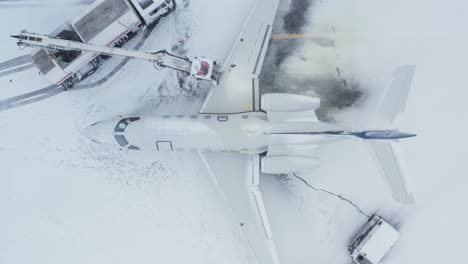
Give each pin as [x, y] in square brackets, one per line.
[121, 140]
[134, 147]
[122, 125]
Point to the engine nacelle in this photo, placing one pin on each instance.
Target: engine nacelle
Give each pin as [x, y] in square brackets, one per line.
[278, 102]
[288, 164]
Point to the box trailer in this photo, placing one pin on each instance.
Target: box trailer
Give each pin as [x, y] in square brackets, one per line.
[373, 242]
[105, 23]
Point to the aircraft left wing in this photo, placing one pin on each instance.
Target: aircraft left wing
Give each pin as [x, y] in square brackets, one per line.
[238, 89]
[237, 178]
[388, 156]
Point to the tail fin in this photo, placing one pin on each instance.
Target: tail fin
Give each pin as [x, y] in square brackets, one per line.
[396, 96]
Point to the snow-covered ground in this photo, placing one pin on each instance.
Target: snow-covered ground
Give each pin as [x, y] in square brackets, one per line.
[64, 199]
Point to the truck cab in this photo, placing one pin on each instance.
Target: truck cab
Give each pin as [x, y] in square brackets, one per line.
[153, 10]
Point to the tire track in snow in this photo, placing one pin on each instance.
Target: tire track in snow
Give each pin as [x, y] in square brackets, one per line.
[21, 60]
[16, 70]
[31, 97]
[41, 3]
[15, 65]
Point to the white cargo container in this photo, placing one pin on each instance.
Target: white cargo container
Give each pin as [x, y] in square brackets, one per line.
[373, 242]
[104, 23]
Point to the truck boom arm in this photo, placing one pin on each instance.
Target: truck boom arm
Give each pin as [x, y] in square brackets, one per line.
[200, 68]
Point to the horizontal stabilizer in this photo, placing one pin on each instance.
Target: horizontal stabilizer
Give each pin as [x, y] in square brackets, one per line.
[388, 157]
[396, 96]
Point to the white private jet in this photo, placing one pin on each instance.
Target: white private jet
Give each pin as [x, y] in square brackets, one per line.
[240, 135]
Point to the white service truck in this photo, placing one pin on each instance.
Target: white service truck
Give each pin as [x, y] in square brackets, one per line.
[373, 242]
[109, 23]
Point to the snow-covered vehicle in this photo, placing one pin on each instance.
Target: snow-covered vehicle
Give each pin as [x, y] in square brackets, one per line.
[106, 23]
[373, 242]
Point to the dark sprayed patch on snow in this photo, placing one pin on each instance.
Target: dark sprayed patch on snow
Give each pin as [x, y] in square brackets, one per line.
[335, 95]
[283, 50]
[293, 23]
[335, 92]
[296, 18]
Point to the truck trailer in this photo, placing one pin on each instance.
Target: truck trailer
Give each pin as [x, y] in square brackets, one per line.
[373, 242]
[109, 23]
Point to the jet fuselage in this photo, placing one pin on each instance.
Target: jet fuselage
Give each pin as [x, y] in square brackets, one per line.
[246, 132]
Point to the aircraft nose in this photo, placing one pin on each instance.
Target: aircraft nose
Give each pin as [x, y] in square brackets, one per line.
[101, 133]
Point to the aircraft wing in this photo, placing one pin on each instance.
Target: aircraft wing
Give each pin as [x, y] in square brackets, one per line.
[238, 89]
[389, 159]
[237, 178]
[394, 100]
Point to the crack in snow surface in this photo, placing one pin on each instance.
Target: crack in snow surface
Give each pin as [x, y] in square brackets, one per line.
[333, 194]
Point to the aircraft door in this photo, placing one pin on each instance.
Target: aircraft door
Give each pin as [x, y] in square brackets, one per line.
[164, 146]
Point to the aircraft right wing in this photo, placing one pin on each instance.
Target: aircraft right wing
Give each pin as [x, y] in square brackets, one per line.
[388, 156]
[238, 89]
[237, 177]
